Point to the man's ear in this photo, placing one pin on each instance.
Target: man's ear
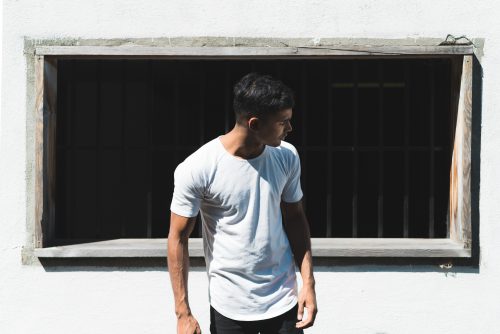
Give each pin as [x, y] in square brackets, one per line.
[253, 123]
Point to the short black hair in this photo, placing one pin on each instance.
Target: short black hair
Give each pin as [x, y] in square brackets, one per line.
[260, 95]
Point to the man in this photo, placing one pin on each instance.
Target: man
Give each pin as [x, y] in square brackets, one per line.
[246, 184]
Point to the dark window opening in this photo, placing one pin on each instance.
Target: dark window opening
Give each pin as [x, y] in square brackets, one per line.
[374, 136]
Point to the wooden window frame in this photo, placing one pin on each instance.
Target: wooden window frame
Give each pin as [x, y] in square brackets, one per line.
[457, 246]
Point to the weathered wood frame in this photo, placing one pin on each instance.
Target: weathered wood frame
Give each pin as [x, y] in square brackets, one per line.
[45, 148]
[458, 245]
[460, 175]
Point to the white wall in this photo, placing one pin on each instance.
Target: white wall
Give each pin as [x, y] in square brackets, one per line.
[376, 299]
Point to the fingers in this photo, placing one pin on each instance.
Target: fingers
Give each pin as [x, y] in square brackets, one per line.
[309, 320]
[300, 312]
[197, 328]
[188, 326]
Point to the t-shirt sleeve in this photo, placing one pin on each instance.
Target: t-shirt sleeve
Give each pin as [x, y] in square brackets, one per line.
[188, 193]
[292, 192]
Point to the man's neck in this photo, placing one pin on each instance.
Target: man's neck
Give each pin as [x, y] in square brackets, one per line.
[240, 143]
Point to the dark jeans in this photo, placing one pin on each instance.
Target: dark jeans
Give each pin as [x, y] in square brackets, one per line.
[282, 324]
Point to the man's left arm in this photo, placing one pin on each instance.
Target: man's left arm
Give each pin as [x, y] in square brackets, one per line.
[297, 230]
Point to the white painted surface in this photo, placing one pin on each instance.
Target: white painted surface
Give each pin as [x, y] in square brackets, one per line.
[1, 43]
[351, 299]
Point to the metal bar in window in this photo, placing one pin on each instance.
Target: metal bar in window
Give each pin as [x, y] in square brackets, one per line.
[329, 190]
[406, 152]
[227, 96]
[71, 140]
[380, 203]
[202, 81]
[355, 153]
[371, 148]
[303, 88]
[123, 169]
[149, 200]
[176, 111]
[149, 203]
[431, 150]
[369, 84]
[308, 148]
[278, 69]
[99, 222]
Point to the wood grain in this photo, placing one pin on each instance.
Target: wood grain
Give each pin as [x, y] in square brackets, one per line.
[332, 247]
[39, 124]
[50, 119]
[255, 52]
[460, 187]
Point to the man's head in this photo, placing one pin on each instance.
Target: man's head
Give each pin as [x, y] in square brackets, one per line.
[264, 106]
[258, 95]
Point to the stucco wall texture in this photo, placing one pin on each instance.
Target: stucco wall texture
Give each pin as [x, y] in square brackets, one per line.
[352, 299]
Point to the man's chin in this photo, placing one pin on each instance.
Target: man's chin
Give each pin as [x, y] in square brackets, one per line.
[277, 143]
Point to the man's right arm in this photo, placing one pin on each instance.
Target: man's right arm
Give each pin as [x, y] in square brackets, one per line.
[178, 268]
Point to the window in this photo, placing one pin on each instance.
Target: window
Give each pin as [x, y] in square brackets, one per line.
[384, 143]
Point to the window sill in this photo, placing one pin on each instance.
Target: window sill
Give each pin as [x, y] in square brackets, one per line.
[321, 247]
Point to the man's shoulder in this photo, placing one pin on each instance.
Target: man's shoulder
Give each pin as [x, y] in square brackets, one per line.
[288, 147]
[286, 150]
[286, 156]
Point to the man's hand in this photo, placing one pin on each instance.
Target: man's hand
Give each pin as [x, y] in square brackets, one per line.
[187, 324]
[307, 299]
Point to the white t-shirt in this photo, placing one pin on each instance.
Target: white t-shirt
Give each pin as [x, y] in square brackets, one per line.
[250, 265]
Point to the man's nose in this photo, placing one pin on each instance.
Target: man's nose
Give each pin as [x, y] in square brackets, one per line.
[289, 126]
